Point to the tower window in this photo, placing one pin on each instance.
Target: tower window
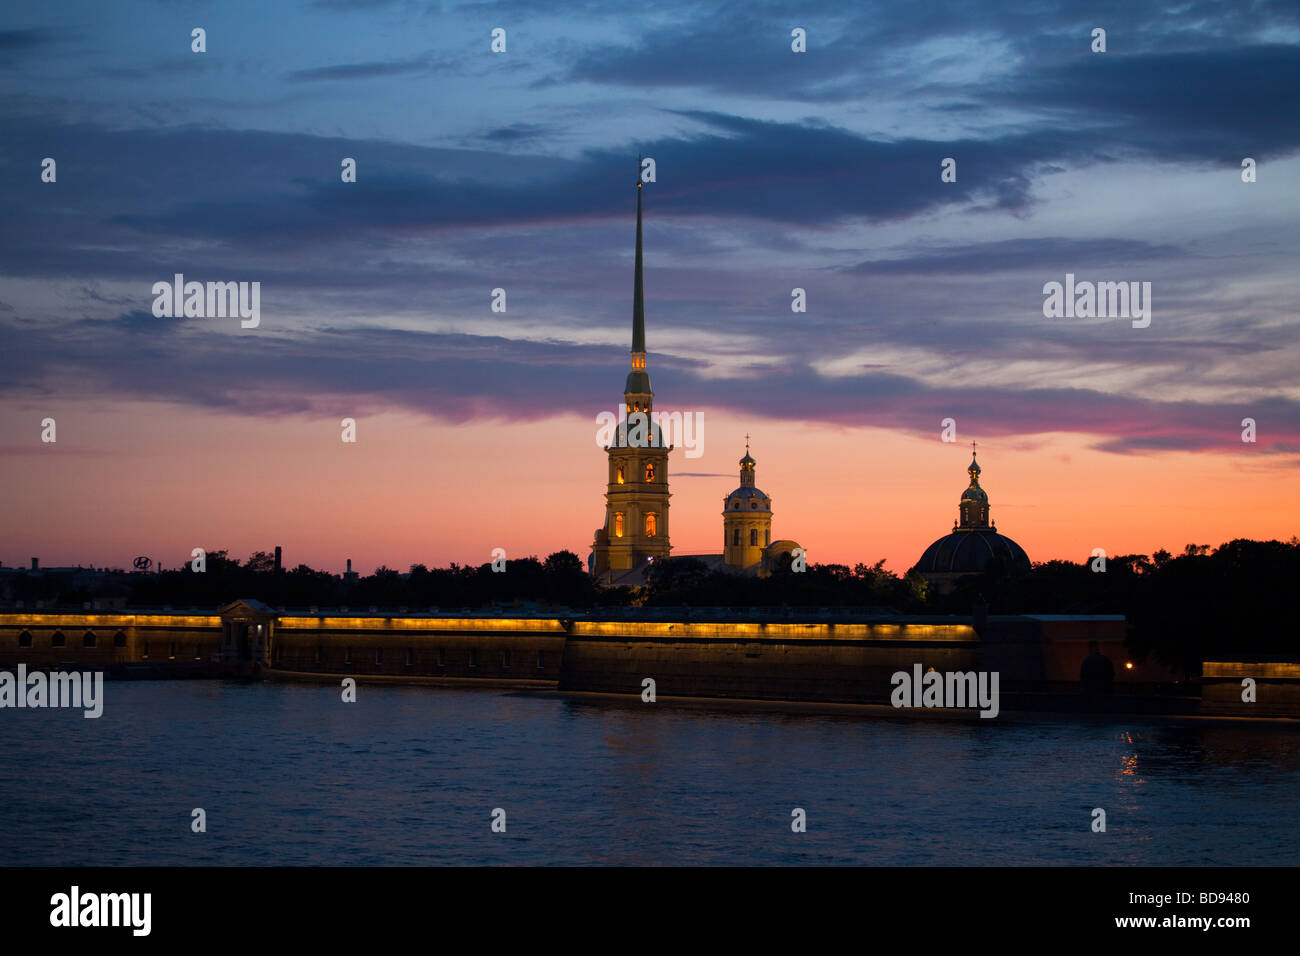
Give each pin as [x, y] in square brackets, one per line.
[88, 639]
[58, 640]
[735, 506]
[650, 472]
[119, 639]
[753, 504]
[618, 524]
[619, 477]
[753, 537]
[735, 537]
[651, 524]
[25, 639]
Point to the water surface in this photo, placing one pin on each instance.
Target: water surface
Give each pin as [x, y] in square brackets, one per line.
[288, 774]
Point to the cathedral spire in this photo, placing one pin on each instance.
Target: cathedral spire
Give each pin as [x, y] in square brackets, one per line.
[638, 288]
[638, 396]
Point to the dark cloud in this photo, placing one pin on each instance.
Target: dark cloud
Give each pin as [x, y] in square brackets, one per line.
[459, 378]
[1208, 105]
[517, 133]
[365, 71]
[13, 42]
[1009, 255]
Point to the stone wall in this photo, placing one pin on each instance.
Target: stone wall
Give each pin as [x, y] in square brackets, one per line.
[834, 663]
[1277, 688]
[168, 643]
[420, 647]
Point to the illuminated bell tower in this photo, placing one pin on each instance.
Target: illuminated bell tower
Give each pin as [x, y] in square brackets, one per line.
[746, 520]
[636, 495]
[974, 505]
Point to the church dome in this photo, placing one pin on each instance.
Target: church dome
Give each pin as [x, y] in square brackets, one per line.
[974, 543]
[744, 495]
[971, 551]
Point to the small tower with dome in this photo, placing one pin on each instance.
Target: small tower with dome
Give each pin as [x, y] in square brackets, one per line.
[746, 520]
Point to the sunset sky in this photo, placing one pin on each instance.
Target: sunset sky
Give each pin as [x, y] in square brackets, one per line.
[775, 170]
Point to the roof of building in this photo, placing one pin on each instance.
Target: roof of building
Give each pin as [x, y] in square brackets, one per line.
[969, 551]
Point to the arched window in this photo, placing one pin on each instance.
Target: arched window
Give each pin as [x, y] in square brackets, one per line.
[650, 471]
[25, 639]
[620, 475]
[88, 639]
[735, 537]
[58, 640]
[618, 524]
[753, 504]
[735, 506]
[119, 639]
[753, 537]
[651, 524]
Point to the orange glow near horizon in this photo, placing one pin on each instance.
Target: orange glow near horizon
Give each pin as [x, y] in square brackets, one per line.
[159, 480]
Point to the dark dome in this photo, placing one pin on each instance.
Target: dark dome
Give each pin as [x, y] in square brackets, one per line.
[744, 493]
[970, 551]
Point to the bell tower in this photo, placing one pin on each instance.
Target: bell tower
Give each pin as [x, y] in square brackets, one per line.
[973, 509]
[746, 519]
[636, 493]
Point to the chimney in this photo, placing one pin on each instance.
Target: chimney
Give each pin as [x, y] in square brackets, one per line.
[277, 559]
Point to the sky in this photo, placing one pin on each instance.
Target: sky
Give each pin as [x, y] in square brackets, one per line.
[774, 170]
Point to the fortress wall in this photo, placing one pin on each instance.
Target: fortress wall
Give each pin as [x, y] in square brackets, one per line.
[168, 641]
[808, 662]
[472, 648]
[1277, 688]
[1014, 648]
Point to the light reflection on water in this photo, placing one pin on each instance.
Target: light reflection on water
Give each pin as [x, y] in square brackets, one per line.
[288, 774]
